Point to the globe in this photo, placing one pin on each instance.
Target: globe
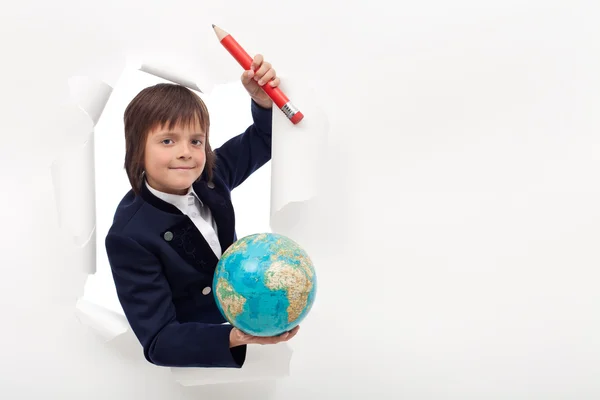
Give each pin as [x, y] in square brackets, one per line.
[264, 284]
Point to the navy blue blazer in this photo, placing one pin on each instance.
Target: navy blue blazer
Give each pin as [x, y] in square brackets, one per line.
[161, 263]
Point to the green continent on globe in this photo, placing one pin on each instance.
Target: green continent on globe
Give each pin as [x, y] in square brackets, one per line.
[233, 303]
[284, 248]
[288, 277]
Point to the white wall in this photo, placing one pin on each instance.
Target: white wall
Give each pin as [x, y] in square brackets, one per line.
[465, 150]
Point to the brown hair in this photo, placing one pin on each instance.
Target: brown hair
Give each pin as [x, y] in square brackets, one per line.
[156, 106]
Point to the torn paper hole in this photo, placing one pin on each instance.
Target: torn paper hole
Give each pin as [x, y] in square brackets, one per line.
[99, 307]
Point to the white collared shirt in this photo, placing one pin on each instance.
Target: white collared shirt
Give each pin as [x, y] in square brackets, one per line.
[191, 205]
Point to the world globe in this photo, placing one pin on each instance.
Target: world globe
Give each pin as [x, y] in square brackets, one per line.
[264, 284]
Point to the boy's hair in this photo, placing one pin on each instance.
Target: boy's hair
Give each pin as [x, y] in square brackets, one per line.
[156, 106]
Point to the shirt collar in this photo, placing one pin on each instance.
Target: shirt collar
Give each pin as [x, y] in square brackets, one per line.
[179, 201]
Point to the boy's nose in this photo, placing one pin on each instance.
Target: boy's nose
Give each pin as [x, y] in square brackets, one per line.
[185, 151]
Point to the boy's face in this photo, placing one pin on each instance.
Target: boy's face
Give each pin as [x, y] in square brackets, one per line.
[175, 158]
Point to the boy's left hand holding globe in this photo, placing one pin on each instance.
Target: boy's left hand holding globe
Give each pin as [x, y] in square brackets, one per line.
[238, 338]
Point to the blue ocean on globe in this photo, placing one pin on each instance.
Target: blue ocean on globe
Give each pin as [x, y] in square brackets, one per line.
[265, 284]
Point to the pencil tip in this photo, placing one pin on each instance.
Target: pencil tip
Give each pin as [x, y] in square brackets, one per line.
[213, 25]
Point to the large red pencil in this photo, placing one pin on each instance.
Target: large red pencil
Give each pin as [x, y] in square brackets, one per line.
[244, 59]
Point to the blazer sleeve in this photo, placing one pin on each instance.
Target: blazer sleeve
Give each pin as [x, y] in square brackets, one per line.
[146, 298]
[243, 154]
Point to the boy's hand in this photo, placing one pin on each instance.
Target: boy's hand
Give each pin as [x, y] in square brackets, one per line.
[238, 338]
[259, 74]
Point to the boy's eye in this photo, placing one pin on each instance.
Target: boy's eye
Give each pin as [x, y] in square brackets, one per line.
[170, 141]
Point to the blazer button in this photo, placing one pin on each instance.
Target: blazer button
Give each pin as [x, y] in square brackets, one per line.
[168, 236]
[206, 290]
[210, 185]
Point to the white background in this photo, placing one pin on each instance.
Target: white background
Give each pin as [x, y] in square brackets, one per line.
[464, 158]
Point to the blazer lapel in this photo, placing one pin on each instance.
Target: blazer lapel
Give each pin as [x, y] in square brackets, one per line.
[184, 236]
[221, 209]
